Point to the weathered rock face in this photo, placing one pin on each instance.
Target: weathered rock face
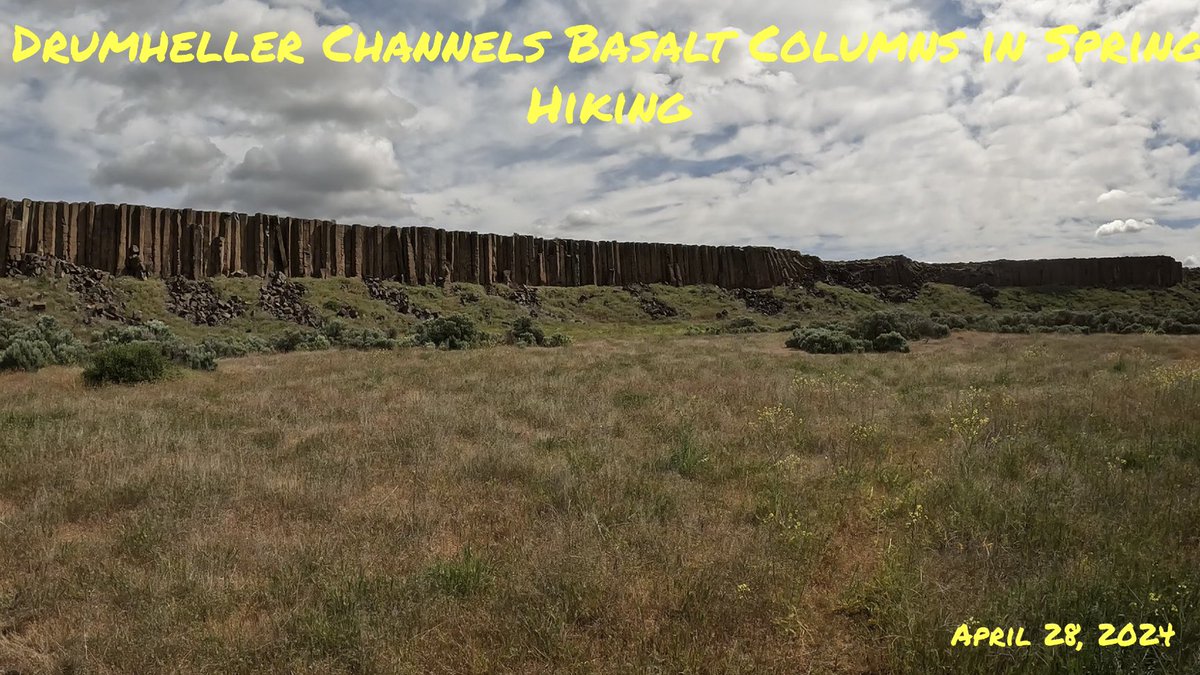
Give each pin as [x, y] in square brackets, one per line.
[198, 244]
[396, 298]
[1154, 271]
[762, 302]
[654, 307]
[284, 300]
[88, 285]
[199, 302]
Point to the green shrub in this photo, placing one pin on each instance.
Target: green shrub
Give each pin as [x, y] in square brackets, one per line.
[450, 332]
[301, 341]
[33, 347]
[342, 335]
[151, 331]
[912, 326]
[986, 293]
[890, 342]
[196, 357]
[824, 341]
[525, 333]
[873, 324]
[127, 364]
[28, 355]
[224, 348]
[743, 326]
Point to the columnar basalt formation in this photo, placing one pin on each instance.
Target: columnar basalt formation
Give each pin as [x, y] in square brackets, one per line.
[197, 244]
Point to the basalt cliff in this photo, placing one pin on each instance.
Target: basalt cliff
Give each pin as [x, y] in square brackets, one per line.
[167, 243]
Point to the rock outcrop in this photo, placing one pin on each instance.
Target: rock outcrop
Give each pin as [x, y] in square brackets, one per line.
[283, 299]
[193, 244]
[199, 302]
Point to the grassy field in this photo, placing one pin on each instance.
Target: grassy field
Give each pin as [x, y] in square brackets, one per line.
[647, 504]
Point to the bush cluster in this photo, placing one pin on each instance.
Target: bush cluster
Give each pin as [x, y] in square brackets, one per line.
[825, 341]
[128, 363]
[870, 332]
[33, 347]
[448, 332]
[911, 325]
[525, 333]
[1120, 321]
[987, 293]
[739, 326]
[225, 348]
[296, 340]
[349, 337]
[158, 334]
[890, 342]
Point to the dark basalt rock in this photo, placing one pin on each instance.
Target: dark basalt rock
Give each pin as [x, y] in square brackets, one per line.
[284, 300]
[763, 302]
[96, 300]
[199, 303]
[396, 299]
[652, 306]
[165, 243]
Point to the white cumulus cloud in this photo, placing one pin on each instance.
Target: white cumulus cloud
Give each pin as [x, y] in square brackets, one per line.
[1129, 226]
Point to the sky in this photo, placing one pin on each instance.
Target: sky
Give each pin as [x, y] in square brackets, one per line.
[940, 162]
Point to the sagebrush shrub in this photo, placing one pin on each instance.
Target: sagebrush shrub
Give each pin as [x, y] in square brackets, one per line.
[130, 363]
[525, 333]
[824, 341]
[912, 326]
[33, 347]
[236, 347]
[449, 332]
[342, 335]
[301, 341]
[28, 355]
[890, 342]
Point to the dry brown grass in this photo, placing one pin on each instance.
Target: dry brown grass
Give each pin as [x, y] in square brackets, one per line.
[652, 504]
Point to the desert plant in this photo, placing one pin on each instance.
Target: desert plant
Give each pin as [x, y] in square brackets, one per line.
[890, 342]
[525, 333]
[743, 325]
[300, 341]
[450, 332]
[235, 347]
[342, 335]
[912, 326]
[43, 344]
[25, 354]
[151, 331]
[195, 357]
[127, 364]
[987, 293]
[824, 341]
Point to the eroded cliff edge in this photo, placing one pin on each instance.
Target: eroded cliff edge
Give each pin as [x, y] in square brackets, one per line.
[196, 244]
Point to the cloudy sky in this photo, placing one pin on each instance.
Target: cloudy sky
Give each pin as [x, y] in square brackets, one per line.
[941, 162]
